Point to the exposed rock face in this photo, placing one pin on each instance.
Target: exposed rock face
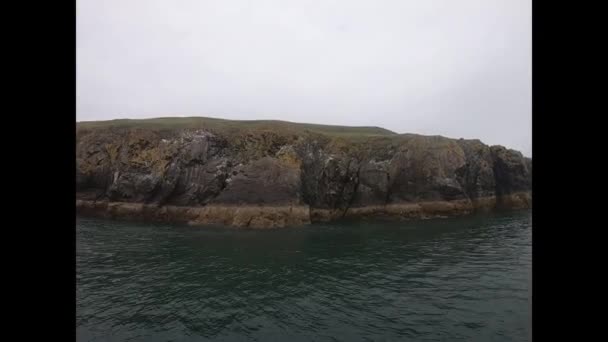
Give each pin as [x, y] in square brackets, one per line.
[263, 178]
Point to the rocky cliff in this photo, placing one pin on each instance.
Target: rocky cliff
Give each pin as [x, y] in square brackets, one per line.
[263, 174]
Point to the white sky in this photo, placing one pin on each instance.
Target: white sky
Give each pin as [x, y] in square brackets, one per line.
[454, 68]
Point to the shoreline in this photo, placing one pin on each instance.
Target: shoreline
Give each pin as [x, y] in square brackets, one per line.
[283, 216]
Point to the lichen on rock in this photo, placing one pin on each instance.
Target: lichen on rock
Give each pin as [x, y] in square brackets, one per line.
[283, 174]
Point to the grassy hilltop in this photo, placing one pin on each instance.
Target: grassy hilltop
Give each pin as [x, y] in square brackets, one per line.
[224, 125]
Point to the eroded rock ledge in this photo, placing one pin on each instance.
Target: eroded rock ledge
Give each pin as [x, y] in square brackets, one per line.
[260, 217]
[275, 174]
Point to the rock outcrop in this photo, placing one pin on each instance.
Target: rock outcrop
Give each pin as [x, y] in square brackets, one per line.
[263, 174]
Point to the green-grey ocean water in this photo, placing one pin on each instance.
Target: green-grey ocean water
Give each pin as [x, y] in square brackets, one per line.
[462, 279]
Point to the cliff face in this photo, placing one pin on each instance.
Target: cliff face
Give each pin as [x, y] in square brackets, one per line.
[271, 174]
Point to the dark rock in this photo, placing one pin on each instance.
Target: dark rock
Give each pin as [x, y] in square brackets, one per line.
[373, 186]
[425, 168]
[477, 174]
[262, 182]
[333, 174]
[510, 171]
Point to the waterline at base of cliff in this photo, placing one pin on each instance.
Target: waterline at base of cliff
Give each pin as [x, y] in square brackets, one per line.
[263, 217]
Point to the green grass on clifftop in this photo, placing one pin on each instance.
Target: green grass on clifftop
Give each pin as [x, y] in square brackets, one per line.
[231, 125]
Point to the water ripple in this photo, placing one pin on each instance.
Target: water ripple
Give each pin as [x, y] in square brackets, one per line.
[459, 279]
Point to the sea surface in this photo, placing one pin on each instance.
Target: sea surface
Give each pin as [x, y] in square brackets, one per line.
[460, 279]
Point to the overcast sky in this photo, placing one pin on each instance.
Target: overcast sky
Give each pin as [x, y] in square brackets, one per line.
[454, 68]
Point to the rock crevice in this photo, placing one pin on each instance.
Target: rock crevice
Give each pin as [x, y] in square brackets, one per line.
[291, 176]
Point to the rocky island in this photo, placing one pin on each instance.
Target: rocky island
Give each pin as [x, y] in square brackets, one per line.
[266, 174]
